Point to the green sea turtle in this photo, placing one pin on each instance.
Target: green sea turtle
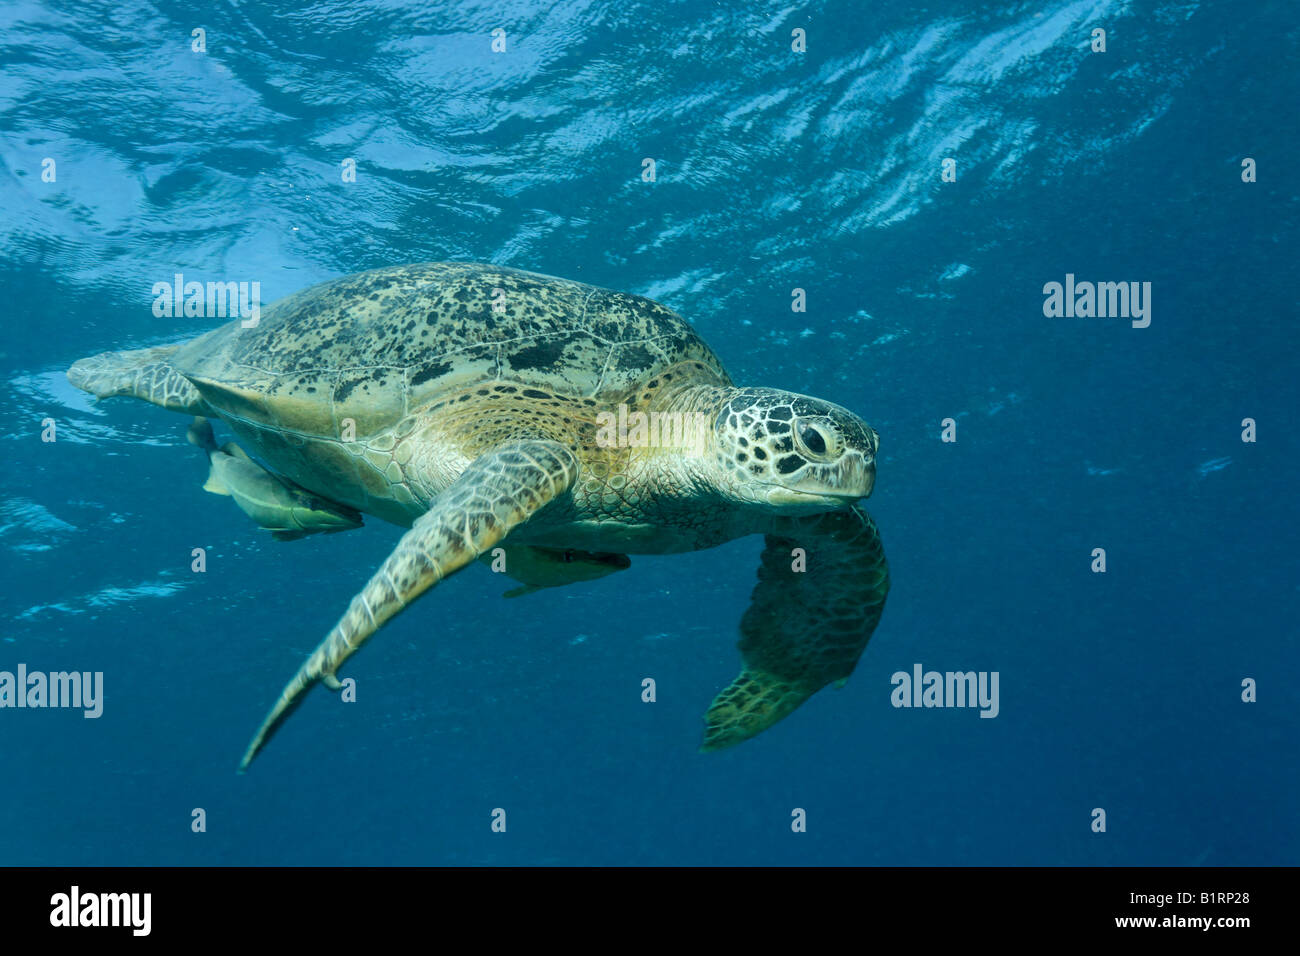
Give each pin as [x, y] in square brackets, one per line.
[481, 405]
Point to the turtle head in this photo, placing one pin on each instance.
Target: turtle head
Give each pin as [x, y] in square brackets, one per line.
[793, 452]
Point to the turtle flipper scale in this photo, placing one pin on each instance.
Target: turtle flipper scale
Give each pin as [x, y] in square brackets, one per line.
[498, 492]
[803, 629]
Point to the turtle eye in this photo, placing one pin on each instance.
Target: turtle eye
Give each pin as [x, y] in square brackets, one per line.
[819, 441]
[569, 556]
[812, 439]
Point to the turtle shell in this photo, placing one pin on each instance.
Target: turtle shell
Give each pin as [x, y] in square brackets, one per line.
[377, 345]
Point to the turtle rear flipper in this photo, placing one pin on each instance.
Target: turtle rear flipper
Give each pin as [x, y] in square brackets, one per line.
[140, 373]
[498, 492]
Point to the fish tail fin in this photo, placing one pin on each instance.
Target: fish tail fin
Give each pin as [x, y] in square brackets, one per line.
[200, 433]
[214, 484]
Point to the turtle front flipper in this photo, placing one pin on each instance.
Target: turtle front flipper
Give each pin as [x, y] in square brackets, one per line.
[804, 628]
[140, 373]
[498, 492]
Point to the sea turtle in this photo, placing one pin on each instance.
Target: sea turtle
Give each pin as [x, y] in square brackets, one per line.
[475, 403]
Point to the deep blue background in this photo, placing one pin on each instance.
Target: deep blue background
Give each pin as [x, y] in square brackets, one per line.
[775, 170]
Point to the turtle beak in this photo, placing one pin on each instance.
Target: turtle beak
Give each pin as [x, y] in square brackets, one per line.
[866, 464]
[868, 469]
[858, 476]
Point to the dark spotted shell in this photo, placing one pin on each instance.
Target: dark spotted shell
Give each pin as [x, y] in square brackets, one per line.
[377, 345]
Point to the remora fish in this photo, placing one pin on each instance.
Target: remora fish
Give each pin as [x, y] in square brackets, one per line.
[538, 568]
[285, 509]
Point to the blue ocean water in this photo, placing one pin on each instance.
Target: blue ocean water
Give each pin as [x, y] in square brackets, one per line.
[820, 170]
